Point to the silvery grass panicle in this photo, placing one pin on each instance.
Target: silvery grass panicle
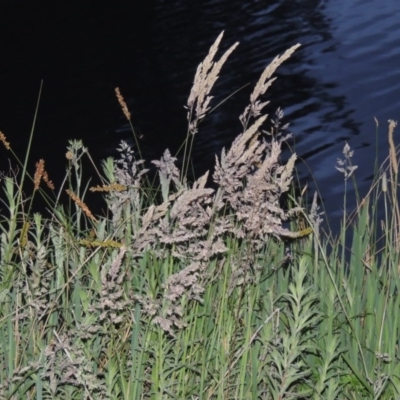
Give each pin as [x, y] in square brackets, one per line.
[186, 226]
[198, 103]
[67, 365]
[127, 173]
[345, 166]
[254, 109]
[167, 171]
[207, 73]
[347, 169]
[254, 194]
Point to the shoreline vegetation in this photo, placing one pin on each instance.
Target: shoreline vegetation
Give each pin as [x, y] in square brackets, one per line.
[181, 291]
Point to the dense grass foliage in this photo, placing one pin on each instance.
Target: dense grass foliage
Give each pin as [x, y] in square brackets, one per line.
[181, 291]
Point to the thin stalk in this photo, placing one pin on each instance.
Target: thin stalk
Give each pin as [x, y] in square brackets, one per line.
[24, 169]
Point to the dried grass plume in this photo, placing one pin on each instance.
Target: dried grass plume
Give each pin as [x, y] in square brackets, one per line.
[123, 104]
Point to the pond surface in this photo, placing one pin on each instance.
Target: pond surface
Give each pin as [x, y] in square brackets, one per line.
[345, 74]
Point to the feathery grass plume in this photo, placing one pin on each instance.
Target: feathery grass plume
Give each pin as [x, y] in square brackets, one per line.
[19, 376]
[36, 288]
[68, 365]
[205, 78]
[112, 304]
[345, 166]
[38, 174]
[315, 215]
[238, 162]
[146, 237]
[125, 171]
[187, 226]
[254, 195]
[277, 128]
[47, 180]
[127, 114]
[247, 152]
[167, 171]
[255, 107]
[189, 222]
[123, 104]
[3, 140]
[184, 283]
[81, 205]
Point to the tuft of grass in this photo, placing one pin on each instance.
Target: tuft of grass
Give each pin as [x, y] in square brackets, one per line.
[181, 291]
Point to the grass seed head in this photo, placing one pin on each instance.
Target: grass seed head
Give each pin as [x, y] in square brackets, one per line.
[4, 141]
[81, 204]
[123, 104]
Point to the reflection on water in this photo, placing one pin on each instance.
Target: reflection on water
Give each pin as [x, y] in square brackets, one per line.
[345, 73]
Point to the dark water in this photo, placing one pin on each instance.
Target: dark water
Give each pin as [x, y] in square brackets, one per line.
[346, 72]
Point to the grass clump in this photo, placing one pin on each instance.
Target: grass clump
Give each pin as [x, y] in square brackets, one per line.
[182, 291]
